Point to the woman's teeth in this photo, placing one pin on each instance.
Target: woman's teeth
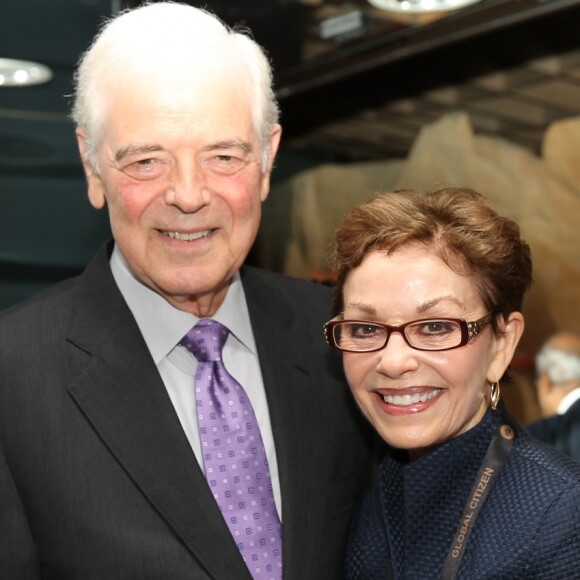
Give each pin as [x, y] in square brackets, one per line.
[404, 400]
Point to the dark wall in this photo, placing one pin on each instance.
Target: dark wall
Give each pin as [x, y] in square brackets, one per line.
[47, 228]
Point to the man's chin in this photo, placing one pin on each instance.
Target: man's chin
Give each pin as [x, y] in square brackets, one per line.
[200, 294]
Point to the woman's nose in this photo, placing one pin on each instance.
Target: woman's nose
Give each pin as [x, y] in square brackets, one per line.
[397, 357]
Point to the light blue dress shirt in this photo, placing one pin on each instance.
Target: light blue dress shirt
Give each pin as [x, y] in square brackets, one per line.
[163, 326]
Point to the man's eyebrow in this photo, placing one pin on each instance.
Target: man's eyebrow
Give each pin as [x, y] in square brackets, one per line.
[230, 144]
[129, 150]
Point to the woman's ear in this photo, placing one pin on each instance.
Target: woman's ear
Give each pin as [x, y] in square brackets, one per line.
[511, 331]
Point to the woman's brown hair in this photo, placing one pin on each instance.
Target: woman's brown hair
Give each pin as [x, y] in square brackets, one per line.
[458, 224]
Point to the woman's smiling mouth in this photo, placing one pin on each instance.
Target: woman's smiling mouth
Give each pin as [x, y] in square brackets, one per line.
[410, 399]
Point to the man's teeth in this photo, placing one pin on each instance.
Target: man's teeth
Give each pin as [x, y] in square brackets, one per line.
[404, 400]
[187, 237]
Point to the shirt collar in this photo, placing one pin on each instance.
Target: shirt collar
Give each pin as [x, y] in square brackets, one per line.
[568, 401]
[163, 326]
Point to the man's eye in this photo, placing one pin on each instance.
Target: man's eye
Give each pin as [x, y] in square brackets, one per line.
[144, 169]
[226, 164]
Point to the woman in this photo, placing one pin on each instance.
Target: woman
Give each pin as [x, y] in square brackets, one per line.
[428, 304]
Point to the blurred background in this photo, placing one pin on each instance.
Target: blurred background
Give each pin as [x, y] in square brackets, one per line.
[374, 95]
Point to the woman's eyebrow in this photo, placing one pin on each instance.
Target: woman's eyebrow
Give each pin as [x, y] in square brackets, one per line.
[421, 308]
[364, 308]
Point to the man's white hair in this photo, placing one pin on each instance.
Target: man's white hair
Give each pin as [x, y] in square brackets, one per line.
[152, 41]
[561, 366]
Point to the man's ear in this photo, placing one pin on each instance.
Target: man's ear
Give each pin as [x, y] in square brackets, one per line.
[274, 144]
[505, 345]
[545, 393]
[550, 395]
[96, 191]
[545, 384]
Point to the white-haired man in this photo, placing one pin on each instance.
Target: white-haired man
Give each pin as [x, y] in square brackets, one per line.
[106, 435]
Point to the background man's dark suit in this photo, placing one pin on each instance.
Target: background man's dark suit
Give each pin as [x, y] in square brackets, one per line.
[561, 431]
[97, 479]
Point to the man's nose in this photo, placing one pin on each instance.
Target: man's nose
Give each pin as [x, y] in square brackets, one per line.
[189, 190]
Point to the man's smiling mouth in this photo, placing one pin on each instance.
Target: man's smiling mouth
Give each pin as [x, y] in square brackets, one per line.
[186, 237]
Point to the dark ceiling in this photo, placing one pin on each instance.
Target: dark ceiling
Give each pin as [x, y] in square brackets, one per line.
[514, 66]
[354, 83]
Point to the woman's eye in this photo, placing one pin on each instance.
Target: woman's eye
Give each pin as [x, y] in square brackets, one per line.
[437, 327]
[364, 330]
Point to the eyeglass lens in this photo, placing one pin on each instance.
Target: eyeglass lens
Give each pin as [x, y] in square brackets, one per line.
[425, 334]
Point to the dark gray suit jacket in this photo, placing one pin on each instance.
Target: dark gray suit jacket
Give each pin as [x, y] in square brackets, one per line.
[561, 431]
[97, 479]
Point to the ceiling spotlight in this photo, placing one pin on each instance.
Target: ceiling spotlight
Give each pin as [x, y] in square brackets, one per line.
[22, 73]
[414, 6]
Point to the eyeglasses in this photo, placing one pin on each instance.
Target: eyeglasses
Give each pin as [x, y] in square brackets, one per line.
[425, 334]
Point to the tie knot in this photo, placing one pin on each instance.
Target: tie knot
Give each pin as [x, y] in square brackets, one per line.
[206, 340]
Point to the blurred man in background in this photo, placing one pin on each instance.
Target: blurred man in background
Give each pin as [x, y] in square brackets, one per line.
[558, 384]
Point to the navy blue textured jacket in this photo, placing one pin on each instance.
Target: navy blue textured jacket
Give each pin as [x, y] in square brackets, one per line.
[529, 527]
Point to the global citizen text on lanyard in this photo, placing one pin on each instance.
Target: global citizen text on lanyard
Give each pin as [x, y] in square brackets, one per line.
[494, 460]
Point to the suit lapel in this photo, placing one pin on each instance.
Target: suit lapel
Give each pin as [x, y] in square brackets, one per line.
[121, 393]
[295, 407]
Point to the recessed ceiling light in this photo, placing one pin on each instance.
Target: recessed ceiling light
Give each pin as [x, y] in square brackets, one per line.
[421, 5]
[21, 73]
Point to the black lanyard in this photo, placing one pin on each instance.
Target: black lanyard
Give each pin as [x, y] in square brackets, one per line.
[494, 460]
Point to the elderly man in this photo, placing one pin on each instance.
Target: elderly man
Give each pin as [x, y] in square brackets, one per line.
[558, 387]
[171, 413]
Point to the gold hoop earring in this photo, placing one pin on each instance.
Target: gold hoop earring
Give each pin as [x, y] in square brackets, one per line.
[495, 394]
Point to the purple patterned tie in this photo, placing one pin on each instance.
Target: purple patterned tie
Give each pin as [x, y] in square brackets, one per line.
[234, 458]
